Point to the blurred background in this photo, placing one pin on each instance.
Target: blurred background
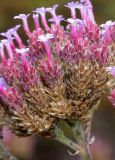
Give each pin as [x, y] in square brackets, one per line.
[103, 126]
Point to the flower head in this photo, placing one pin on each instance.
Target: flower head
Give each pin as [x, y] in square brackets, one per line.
[6, 43]
[24, 18]
[61, 73]
[56, 18]
[107, 24]
[22, 51]
[53, 9]
[42, 12]
[72, 7]
[36, 21]
[45, 38]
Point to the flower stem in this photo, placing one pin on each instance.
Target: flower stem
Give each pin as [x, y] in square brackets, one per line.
[83, 138]
[5, 154]
[64, 140]
[82, 147]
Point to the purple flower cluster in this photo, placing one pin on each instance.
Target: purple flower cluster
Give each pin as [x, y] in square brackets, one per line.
[42, 61]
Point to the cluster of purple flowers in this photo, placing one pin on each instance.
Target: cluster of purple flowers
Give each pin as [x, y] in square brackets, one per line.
[23, 67]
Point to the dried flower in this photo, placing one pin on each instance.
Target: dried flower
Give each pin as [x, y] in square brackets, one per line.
[60, 74]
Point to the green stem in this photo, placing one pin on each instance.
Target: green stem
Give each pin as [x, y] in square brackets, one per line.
[64, 140]
[82, 146]
[83, 140]
[85, 152]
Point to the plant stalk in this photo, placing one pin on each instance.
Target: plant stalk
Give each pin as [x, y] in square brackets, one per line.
[82, 146]
[5, 154]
